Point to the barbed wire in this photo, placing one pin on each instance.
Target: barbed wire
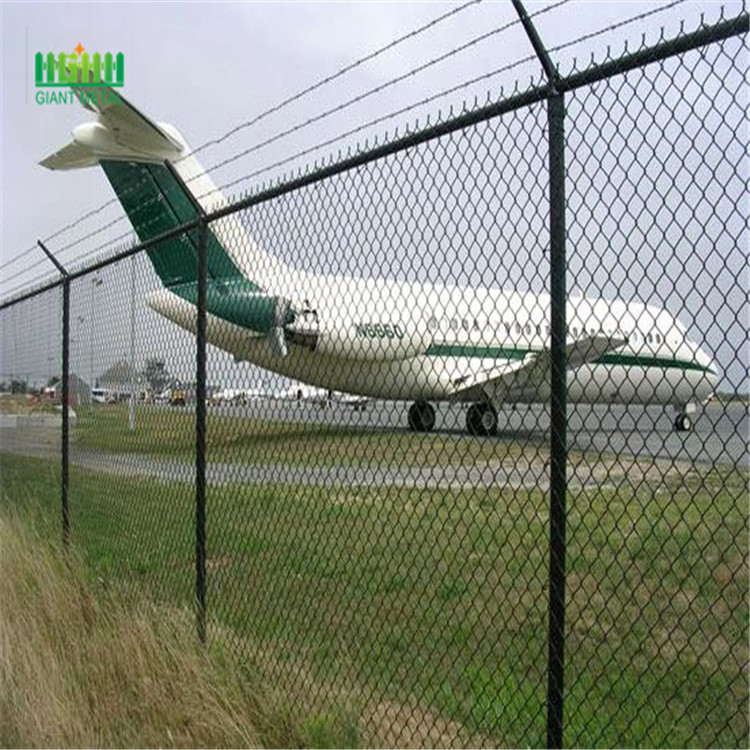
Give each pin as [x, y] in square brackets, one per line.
[366, 125]
[274, 109]
[617, 25]
[352, 131]
[301, 126]
[377, 89]
[465, 84]
[18, 257]
[328, 79]
[26, 270]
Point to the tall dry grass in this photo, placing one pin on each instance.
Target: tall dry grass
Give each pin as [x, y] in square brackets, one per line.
[83, 667]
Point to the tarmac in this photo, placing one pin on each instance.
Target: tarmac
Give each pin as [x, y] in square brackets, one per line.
[620, 438]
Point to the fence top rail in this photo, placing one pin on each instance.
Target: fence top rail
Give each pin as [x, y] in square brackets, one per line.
[705, 35]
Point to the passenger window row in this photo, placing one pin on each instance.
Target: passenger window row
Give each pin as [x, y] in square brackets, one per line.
[529, 329]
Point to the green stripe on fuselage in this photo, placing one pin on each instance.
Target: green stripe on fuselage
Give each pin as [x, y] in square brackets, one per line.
[468, 350]
[518, 353]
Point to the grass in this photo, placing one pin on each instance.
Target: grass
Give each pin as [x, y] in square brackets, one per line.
[430, 606]
[170, 432]
[85, 666]
[26, 404]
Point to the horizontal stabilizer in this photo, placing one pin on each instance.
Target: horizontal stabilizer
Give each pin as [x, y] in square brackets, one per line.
[120, 132]
[72, 156]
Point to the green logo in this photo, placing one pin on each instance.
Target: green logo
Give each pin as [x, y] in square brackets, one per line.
[79, 69]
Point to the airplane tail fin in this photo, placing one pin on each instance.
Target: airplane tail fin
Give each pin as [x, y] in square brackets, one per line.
[132, 150]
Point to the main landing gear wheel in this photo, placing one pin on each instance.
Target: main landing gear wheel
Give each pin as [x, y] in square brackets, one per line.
[421, 417]
[683, 423]
[481, 419]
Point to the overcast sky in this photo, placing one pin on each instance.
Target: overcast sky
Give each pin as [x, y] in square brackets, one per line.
[209, 67]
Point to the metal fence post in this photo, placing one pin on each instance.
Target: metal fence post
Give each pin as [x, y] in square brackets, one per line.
[558, 424]
[200, 437]
[558, 386]
[200, 407]
[64, 393]
[65, 396]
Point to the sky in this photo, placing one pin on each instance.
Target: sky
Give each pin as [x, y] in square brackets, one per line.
[210, 67]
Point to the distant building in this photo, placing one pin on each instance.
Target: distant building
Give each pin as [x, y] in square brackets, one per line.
[117, 381]
[116, 378]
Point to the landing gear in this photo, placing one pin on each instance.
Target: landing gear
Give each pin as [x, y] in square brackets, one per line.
[683, 423]
[481, 419]
[421, 417]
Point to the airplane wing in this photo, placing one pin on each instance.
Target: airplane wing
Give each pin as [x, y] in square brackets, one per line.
[119, 132]
[533, 371]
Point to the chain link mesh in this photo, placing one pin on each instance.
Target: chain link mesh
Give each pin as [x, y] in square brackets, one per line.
[377, 460]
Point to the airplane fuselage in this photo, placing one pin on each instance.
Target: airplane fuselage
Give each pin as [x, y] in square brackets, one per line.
[418, 341]
[373, 337]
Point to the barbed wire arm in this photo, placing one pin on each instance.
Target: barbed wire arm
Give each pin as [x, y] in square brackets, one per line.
[59, 266]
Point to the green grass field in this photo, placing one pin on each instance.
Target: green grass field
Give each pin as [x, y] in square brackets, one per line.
[432, 604]
[23, 404]
[231, 439]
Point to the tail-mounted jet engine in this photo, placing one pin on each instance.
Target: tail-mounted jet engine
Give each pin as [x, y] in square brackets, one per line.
[355, 340]
[274, 317]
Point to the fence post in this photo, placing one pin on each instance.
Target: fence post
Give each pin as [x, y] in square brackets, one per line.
[200, 407]
[65, 410]
[558, 424]
[131, 404]
[200, 437]
[558, 387]
[64, 393]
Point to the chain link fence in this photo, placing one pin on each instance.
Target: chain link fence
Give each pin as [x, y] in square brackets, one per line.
[361, 486]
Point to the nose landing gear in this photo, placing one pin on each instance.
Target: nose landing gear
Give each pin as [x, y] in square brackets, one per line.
[683, 422]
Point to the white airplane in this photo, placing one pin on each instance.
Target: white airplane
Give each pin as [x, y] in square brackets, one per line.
[357, 403]
[376, 337]
[300, 392]
[321, 396]
[232, 396]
